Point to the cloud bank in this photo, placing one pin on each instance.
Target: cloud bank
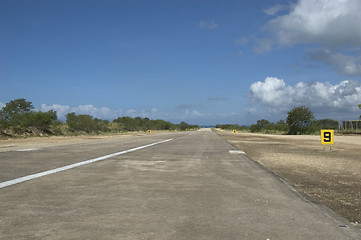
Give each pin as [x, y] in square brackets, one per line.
[330, 25]
[337, 101]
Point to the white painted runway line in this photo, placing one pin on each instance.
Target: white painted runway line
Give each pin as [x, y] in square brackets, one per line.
[56, 170]
[236, 152]
[27, 150]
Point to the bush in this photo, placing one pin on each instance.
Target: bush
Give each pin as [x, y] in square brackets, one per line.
[261, 125]
[84, 123]
[281, 126]
[299, 119]
[43, 120]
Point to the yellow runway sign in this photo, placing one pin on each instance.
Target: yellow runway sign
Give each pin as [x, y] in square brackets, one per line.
[327, 136]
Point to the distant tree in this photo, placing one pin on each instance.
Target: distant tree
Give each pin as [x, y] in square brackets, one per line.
[142, 124]
[14, 115]
[18, 116]
[359, 108]
[299, 120]
[83, 122]
[281, 126]
[42, 120]
[127, 123]
[14, 108]
[183, 126]
[261, 125]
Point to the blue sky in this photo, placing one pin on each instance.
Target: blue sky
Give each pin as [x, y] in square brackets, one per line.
[203, 62]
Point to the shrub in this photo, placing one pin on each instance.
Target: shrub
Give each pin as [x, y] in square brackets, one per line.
[83, 123]
[299, 119]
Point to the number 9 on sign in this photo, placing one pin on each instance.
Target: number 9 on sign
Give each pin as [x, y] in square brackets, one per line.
[327, 136]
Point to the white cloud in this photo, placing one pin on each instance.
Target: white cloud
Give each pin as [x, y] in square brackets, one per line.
[195, 113]
[102, 112]
[208, 24]
[330, 23]
[131, 113]
[271, 92]
[336, 101]
[61, 110]
[1, 105]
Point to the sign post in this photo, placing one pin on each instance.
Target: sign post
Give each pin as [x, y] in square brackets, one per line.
[327, 137]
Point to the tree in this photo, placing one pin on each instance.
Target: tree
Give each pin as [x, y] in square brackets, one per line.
[14, 115]
[14, 108]
[42, 120]
[82, 122]
[261, 125]
[299, 119]
[282, 126]
[360, 108]
[183, 125]
[18, 116]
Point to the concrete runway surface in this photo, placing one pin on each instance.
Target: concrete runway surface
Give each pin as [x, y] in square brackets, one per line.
[194, 186]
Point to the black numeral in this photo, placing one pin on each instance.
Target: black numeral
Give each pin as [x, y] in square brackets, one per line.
[327, 137]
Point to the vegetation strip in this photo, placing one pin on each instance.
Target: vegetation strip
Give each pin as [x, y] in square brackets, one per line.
[19, 118]
[41, 174]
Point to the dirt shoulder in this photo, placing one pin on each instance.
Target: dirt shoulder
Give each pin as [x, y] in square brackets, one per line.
[19, 144]
[330, 177]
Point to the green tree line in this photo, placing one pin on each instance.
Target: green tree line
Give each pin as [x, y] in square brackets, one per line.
[19, 117]
[300, 120]
[143, 124]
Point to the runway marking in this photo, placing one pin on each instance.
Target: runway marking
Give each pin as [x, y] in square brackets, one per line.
[60, 169]
[236, 152]
[27, 150]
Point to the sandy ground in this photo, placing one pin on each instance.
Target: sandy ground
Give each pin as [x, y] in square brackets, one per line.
[330, 177]
[19, 144]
